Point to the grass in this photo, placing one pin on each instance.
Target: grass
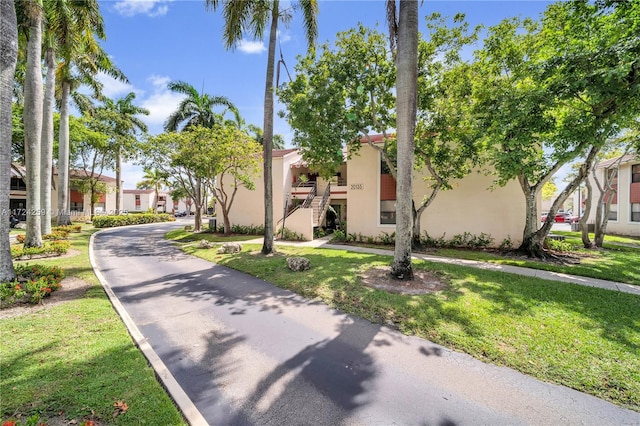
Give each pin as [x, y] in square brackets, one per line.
[613, 263]
[182, 236]
[581, 337]
[76, 359]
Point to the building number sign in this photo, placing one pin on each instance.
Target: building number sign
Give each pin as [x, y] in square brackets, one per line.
[357, 186]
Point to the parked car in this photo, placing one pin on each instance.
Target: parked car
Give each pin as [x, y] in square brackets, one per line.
[13, 221]
[180, 213]
[543, 217]
[566, 218]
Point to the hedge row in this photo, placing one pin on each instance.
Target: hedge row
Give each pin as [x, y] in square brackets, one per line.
[129, 219]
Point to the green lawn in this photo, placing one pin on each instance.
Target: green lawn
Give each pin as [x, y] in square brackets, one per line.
[77, 359]
[585, 338]
[613, 263]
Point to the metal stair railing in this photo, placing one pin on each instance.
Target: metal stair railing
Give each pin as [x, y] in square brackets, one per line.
[312, 193]
[322, 208]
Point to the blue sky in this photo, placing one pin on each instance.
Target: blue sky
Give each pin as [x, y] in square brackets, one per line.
[157, 41]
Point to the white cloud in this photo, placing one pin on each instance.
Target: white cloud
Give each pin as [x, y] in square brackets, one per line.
[284, 37]
[160, 103]
[113, 88]
[131, 175]
[251, 47]
[150, 8]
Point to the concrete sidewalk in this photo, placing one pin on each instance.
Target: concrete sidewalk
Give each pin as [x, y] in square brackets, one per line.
[517, 270]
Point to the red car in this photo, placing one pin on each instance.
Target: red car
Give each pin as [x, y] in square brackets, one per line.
[566, 218]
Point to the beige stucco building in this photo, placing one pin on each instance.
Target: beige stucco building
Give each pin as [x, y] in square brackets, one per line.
[624, 218]
[364, 196]
[141, 200]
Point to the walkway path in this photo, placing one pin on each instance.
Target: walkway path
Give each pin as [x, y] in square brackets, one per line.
[235, 350]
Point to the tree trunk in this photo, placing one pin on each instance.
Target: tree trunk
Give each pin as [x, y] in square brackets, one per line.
[46, 153]
[33, 99]
[63, 158]
[119, 179]
[198, 202]
[406, 104]
[267, 143]
[8, 58]
[584, 229]
[532, 242]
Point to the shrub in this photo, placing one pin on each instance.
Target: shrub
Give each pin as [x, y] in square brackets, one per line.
[290, 235]
[68, 228]
[386, 238]
[339, 235]
[506, 244]
[56, 235]
[34, 283]
[557, 245]
[123, 220]
[57, 247]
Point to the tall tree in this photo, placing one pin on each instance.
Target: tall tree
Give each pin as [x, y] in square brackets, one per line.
[406, 31]
[32, 13]
[552, 93]
[82, 58]
[253, 16]
[8, 57]
[155, 179]
[61, 25]
[125, 125]
[196, 109]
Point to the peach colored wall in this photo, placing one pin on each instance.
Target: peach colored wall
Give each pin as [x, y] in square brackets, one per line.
[248, 206]
[300, 221]
[469, 207]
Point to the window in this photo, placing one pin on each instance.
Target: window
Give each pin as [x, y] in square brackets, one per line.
[613, 212]
[635, 212]
[388, 212]
[635, 173]
[18, 184]
[76, 207]
[138, 202]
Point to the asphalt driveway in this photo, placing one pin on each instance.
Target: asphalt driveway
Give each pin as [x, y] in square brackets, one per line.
[247, 352]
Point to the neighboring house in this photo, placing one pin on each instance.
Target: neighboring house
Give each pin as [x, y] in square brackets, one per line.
[624, 217]
[80, 204]
[141, 200]
[363, 195]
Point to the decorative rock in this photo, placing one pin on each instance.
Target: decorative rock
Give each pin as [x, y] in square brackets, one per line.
[228, 248]
[204, 244]
[298, 264]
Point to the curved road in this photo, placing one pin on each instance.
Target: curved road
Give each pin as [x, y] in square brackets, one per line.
[246, 352]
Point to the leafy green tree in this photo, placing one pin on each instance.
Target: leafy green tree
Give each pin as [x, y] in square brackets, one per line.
[340, 97]
[256, 133]
[197, 109]
[549, 190]
[253, 16]
[92, 155]
[125, 128]
[153, 179]
[8, 58]
[234, 159]
[195, 158]
[549, 94]
[334, 99]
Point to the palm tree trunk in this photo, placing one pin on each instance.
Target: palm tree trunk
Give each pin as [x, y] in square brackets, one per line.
[267, 246]
[33, 130]
[46, 153]
[406, 105]
[8, 57]
[63, 157]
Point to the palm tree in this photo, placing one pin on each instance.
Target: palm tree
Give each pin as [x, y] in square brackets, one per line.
[62, 17]
[253, 16]
[278, 139]
[196, 109]
[31, 14]
[153, 179]
[82, 59]
[125, 128]
[406, 30]
[8, 58]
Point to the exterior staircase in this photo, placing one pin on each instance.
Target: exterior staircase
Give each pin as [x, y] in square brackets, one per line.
[319, 210]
